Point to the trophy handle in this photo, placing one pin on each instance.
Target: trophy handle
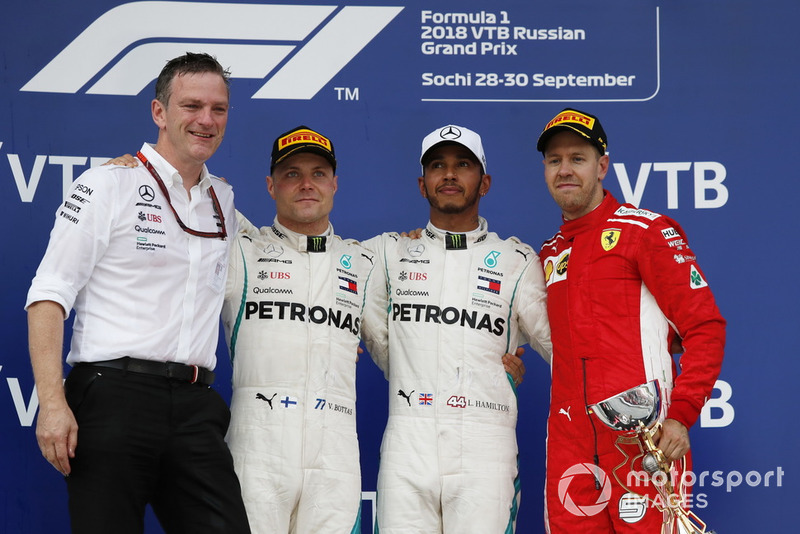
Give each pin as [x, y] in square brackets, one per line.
[678, 519]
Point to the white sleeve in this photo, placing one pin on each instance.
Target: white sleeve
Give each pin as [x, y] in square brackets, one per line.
[375, 319]
[84, 224]
[532, 310]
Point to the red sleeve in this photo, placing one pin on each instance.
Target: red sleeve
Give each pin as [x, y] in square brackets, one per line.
[669, 270]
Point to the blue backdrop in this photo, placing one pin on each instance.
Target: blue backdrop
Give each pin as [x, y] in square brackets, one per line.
[698, 99]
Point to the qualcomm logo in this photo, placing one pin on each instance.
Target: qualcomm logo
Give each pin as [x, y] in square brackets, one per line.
[308, 45]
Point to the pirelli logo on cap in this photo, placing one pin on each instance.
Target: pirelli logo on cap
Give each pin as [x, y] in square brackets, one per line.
[571, 116]
[305, 137]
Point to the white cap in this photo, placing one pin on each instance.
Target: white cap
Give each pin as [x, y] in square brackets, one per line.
[455, 134]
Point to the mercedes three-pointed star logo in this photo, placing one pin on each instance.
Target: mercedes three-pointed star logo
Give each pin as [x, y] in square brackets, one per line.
[147, 193]
[450, 132]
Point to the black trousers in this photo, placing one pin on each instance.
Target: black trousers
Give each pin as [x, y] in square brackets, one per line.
[145, 439]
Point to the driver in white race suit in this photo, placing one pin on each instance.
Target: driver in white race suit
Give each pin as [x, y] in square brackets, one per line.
[293, 317]
[292, 313]
[458, 298]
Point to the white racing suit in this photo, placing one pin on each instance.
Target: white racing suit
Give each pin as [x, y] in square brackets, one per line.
[292, 319]
[456, 303]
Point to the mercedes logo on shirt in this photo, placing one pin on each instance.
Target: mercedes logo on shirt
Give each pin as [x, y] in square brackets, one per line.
[147, 193]
[416, 251]
[272, 251]
[450, 132]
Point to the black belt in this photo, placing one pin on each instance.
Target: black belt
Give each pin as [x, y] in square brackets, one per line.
[179, 371]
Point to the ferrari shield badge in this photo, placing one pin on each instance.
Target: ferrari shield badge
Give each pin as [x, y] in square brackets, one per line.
[609, 238]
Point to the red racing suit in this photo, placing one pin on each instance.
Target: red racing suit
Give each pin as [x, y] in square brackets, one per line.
[621, 282]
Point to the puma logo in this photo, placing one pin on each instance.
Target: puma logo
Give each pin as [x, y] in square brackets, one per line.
[401, 393]
[566, 412]
[523, 254]
[268, 400]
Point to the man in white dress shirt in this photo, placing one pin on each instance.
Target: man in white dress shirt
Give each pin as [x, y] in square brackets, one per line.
[141, 255]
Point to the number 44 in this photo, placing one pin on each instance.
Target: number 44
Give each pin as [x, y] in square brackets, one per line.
[457, 401]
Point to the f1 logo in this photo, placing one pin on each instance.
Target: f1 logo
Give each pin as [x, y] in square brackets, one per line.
[316, 43]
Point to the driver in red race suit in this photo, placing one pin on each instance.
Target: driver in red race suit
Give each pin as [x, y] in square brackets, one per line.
[621, 283]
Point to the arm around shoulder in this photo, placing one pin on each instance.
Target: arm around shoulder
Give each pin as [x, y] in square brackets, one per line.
[533, 319]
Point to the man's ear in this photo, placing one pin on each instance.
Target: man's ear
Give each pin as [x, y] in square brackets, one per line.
[603, 167]
[158, 111]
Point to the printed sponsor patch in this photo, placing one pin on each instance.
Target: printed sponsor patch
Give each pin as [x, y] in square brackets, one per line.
[489, 284]
[637, 212]
[670, 233]
[609, 238]
[696, 280]
[348, 284]
[571, 116]
[305, 137]
[555, 267]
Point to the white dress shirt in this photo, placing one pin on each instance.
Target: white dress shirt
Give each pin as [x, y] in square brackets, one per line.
[140, 285]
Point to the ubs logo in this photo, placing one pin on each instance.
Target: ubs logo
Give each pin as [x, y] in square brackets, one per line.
[150, 217]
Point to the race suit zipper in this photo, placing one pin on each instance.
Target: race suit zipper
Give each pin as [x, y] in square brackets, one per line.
[591, 421]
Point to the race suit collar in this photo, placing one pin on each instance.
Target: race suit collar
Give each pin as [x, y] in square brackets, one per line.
[457, 241]
[570, 229]
[302, 242]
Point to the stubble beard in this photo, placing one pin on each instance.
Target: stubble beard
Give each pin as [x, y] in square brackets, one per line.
[452, 208]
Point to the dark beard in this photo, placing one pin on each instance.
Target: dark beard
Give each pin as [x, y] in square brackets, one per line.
[451, 209]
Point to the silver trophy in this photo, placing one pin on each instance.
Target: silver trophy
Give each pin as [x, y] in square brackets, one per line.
[638, 413]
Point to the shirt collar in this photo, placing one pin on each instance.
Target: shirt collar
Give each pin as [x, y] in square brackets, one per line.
[456, 240]
[296, 240]
[168, 173]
